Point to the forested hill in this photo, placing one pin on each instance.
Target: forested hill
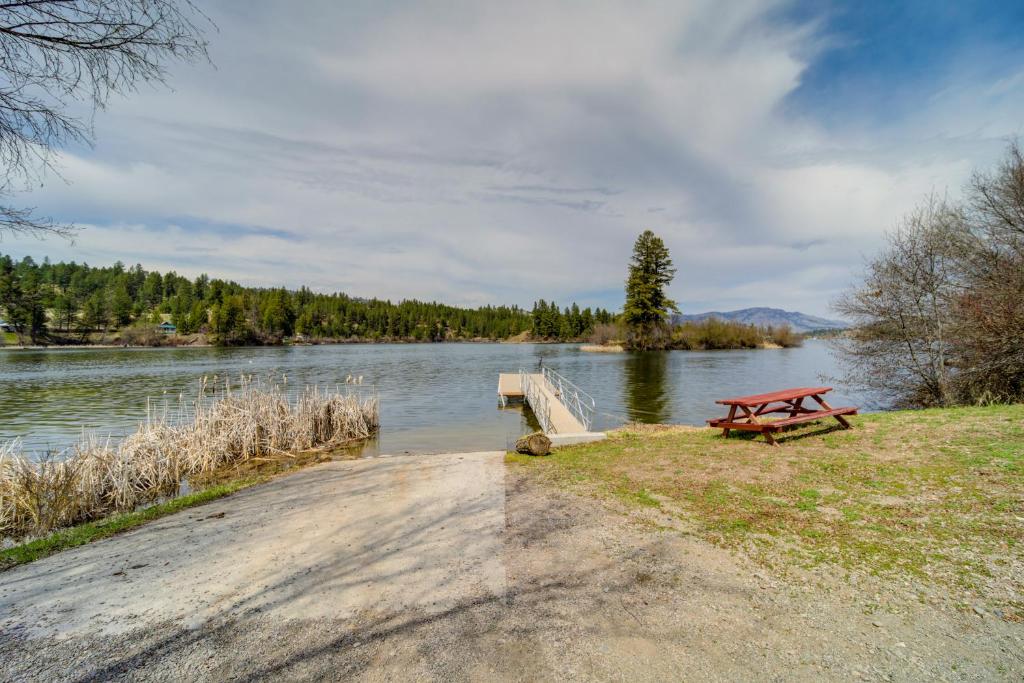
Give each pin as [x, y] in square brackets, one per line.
[76, 302]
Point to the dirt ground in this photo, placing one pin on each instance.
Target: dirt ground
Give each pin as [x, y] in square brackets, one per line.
[459, 567]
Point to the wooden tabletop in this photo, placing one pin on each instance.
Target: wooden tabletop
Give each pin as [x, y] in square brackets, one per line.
[782, 395]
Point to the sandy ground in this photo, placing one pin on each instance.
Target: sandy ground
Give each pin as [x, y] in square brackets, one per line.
[457, 567]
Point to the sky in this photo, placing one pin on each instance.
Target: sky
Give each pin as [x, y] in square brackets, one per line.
[494, 152]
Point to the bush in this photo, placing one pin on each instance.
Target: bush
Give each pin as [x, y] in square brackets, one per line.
[716, 334]
[784, 336]
[608, 333]
[142, 335]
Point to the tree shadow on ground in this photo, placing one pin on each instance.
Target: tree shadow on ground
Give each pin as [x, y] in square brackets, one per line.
[548, 590]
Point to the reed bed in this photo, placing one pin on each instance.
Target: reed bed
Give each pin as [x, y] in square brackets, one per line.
[217, 430]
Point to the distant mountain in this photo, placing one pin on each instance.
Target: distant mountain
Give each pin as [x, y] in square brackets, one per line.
[799, 322]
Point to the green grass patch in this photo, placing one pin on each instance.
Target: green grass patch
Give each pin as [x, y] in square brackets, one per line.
[932, 493]
[808, 501]
[115, 524]
[642, 497]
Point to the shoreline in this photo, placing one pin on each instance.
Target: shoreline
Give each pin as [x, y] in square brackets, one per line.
[206, 345]
[583, 346]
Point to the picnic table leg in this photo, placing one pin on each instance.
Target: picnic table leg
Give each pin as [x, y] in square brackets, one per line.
[732, 414]
[797, 405]
[753, 420]
[842, 420]
[751, 416]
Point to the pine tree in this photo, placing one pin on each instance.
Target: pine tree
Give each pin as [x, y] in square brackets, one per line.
[121, 305]
[647, 306]
[68, 296]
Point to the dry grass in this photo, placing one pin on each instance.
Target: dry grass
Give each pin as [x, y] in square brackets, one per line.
[936, 494]
[98, 477]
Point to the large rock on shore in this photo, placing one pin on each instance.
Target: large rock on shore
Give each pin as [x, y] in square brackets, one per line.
[534, 444]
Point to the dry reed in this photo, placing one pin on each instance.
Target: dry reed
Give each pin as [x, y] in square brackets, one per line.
[97, 477]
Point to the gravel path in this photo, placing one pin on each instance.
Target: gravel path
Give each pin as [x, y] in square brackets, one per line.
[457, 567]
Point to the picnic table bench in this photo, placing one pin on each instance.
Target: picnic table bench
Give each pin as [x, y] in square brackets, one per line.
[789, 401]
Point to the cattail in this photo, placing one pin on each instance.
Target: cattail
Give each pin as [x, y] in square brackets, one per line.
[95, 478]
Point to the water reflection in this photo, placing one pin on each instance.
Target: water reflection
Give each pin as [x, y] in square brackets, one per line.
[645, 387]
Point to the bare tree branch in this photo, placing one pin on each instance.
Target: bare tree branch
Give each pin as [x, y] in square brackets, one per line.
[903, 310]
[56, 53]
[940, 313]
[23, 222]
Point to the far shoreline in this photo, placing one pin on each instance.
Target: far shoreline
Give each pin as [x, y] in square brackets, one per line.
[207, 345]
[583, 347]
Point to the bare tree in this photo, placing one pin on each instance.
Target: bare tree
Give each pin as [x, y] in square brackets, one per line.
[996, 202]
[902, 344]
[991, 313]
[940, 314]
[58, 55]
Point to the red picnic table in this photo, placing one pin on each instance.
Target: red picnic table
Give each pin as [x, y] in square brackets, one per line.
[789, 401]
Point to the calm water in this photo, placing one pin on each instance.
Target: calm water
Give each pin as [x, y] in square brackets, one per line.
[434, 397]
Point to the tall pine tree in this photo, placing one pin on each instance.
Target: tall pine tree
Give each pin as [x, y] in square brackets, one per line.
[647, 306]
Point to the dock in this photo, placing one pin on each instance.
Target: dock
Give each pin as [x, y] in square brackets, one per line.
[564, 411]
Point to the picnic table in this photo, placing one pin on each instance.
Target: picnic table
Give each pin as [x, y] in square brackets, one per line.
[788, 401]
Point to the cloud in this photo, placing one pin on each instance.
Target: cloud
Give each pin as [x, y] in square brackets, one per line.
[499, 153]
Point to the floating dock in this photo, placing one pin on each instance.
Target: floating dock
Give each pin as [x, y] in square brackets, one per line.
[564, 411]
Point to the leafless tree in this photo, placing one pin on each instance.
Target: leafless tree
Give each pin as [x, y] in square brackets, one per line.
[991, 312]
[940, 314]
[60, 61]
[996, 202]
[902, 344]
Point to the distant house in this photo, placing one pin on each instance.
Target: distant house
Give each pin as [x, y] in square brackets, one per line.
[168, 328]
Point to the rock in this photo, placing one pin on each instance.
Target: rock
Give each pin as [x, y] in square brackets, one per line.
[534, 444]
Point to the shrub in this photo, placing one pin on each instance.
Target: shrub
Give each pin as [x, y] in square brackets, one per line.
[607, 333]
[142, 335]
[784, 336]
[714, 334]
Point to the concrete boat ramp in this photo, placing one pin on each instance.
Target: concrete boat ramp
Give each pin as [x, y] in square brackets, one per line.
[565, 412]
[339, 540]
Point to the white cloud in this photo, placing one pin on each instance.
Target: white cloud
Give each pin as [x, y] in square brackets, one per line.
[495, 152]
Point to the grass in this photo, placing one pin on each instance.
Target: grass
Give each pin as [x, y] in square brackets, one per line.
[115, 524]
[937, 494]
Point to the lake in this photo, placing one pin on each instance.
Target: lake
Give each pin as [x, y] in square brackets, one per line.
[433, 397]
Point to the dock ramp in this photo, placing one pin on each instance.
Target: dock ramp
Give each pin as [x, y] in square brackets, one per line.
[565, 412]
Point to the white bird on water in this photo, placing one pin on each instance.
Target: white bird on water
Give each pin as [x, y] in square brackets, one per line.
[348, 380]
[360, 380]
